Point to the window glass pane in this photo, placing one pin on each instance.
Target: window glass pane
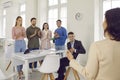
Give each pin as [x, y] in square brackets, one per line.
[22, 8]
[63, 16]
[64, 22]
[53, 2]
[53, 13]
[4, 25]
[4, 12]
[52, 24]
[52, 17]
[106, 5]
[53, 7]
[63, 12]
[23, 19]
[63, 1]
[50, 14]
[115, 3]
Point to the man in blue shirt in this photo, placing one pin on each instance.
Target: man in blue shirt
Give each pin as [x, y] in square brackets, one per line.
[60, 36]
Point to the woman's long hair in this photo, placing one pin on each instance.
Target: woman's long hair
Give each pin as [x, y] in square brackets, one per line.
[44, 25]
[112, 17]
[17, 19]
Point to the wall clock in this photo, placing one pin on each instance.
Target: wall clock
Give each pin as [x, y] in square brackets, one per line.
[78, 16]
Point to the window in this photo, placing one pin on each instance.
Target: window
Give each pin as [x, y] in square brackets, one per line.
[63, 1]
[63, 16]
[104, 5]
[108, 4]
[4, 26]
[57, 9]
[4, 23]
[22, 13]
[53, 16]
[115, 3]
[22, 8]
[4, 12]
[53, 2]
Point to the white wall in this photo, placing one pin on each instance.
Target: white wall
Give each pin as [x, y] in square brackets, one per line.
[84, 28]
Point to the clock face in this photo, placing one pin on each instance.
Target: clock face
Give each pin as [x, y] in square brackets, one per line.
[77, 16]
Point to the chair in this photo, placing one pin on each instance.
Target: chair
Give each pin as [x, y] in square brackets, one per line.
[4, 77]
[80, 58]
[74, 72]
[9, 50]
[14, 62]
[49, 66]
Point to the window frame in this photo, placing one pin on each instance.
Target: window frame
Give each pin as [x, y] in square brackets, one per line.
[4, 19]
[23, 13]
[59, 6]
[99, 18]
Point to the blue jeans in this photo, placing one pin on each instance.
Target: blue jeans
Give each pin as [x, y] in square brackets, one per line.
[20, 46]
[60, 48]
[35, 63]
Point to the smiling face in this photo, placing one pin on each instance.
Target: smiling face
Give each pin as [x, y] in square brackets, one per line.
[58, 23]
[71, 37]
[33, 22]
[19, 21]
[46, 26]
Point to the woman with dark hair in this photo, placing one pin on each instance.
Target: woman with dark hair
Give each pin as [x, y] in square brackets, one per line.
[104, 56]
[46, 37]
[18, 34]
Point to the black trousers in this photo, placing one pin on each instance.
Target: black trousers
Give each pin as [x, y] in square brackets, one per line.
[35, 63]
[64, 62]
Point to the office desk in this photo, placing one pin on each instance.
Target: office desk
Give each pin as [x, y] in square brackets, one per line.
[32, 57]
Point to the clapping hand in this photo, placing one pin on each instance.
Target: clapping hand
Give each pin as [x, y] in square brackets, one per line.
[47, 35]
[39, 33]
[23, 34]
[69, 55]
[35, 32]
[18, 35]
[56, 35]
[72, 50]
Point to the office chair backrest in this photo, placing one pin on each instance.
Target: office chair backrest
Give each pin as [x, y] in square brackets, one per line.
[50, 64]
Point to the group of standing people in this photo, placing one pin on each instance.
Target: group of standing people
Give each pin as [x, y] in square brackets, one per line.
[34, 34]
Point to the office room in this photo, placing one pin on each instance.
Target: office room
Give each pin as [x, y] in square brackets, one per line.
[59, 39]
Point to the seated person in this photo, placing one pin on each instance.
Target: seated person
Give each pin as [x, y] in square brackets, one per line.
[75, 47]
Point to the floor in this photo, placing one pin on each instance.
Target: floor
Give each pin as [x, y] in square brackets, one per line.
[34, 76]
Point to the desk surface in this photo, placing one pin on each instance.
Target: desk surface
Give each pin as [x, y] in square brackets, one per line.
[36, 53]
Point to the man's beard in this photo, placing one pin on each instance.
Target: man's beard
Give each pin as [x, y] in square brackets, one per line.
[33, 24]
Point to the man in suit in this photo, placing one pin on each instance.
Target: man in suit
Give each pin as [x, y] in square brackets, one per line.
[75, 47]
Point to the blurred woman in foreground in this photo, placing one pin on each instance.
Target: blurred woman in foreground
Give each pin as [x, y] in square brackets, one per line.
[104, 56]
